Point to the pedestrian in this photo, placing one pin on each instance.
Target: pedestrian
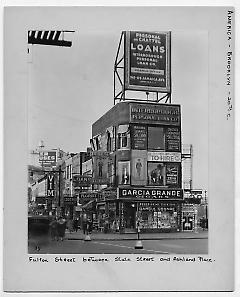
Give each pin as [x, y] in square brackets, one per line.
[54, 229]
[89, 226]
[75, 225]
[70, 225]
[61, 228]
[84, 225]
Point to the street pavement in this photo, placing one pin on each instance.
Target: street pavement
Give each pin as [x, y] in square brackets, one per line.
[114, 243]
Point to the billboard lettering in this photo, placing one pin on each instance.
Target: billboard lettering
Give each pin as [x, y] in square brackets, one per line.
[50, 185]
[48, 158]
[147, 61]
[150, 193]
[162, 114]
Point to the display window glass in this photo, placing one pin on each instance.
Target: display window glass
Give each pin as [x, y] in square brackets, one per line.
[156, 174]
[156, 139]
[158, 217]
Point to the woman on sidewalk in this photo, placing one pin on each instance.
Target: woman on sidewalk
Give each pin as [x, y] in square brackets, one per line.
[61, 228]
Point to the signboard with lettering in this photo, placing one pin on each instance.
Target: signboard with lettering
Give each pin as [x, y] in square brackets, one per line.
[173, 139]
[68, 200]
[50, 185]
[139, 137]
[164, 157]
[150, 193]
[88, 196]
[172, 173]
[147, 61]
[81, 180]
[48, 158]
[161, 114]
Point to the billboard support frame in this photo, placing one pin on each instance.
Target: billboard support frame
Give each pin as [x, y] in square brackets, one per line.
[120, 92]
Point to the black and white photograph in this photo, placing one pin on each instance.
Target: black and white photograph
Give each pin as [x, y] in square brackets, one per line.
[127, 145]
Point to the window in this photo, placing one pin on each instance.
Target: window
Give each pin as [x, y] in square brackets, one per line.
[156, 138]
[123, 139]
[156, 174]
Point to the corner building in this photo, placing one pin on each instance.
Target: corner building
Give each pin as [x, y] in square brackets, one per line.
[137, 160]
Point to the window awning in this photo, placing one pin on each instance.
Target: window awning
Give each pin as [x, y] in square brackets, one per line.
[123, 128]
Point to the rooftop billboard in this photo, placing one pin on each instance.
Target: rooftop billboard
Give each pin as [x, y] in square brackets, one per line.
[147, 65]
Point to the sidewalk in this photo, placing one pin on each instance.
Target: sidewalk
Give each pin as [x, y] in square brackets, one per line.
[200, 234]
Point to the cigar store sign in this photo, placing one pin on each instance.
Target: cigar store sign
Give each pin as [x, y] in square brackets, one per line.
[162, 114]
[147, 61]
[164, 157]
[150, 193]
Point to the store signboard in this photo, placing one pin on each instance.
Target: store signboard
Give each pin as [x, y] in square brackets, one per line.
[81, 180]
[161, 114]
[164, 157]
[173, 139]
[89, 196]
[48, 158]
[147, 61]
[193, 194]
[50, 185]
[150, 193]
[69, 200]
[139, 137]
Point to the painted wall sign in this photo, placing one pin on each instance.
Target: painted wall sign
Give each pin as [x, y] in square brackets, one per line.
[161, 114]
[139, 137]
[164, 157]
[147, 61]
[150, 193]
[173, 139]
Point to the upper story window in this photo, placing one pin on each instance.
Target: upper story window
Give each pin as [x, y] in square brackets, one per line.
[123, 137]
[156, 139]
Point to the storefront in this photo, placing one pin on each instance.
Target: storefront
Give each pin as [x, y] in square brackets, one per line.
[189, 217]
[156, 210]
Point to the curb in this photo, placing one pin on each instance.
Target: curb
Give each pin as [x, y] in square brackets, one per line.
[119, 239]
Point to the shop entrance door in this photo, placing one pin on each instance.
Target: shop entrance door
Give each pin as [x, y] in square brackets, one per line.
[130, 216]
[188, 221]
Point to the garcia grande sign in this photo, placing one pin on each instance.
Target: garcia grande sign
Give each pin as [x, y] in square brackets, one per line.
[150, 193]
[147, 61]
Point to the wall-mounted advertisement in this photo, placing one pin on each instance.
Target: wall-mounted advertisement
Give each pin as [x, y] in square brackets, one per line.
[103, 168]
[172, 174]
[164, 157]
[139, 170]
[124, 172]
[173, 139]
[48, 158]
[161, 114]
[50, 185]
[138, 137]
[147, 61]
[156, 174]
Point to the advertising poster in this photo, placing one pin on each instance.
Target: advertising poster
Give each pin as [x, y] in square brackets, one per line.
[172, 174]
[48, 158]
[173, 139]
[139, 137]
[148, 59]
[139, 169]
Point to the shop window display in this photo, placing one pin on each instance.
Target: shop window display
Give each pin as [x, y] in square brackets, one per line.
[158, 217]
[156, 174]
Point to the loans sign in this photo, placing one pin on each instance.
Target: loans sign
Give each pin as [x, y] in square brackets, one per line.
[147, 61]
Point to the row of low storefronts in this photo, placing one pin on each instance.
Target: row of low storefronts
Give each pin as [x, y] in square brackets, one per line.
[132, 175]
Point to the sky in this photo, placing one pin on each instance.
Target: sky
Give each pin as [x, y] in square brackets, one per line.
[70, 88]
